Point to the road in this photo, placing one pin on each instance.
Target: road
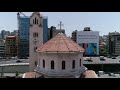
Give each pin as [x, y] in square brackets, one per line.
[14, 61]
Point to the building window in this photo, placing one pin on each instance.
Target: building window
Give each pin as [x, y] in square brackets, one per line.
[63, 65]
[43, 63]
[80, 62]
[35, 48]
[37, 34]
[52, 64]
[73, 64]
[33, 34]
[35, 63]
[39, 62]
[35, 20]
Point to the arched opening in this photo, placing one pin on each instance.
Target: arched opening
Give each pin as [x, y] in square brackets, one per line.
[52, 64]
[80, 62]
[73, 64]
[35, 20]
[33, 34]
[39, 62]
[35, 48]
[63, 65]
[43, 63]
[36, 34]
[35, 63]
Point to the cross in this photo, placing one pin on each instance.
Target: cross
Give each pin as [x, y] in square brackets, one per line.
[60, 25]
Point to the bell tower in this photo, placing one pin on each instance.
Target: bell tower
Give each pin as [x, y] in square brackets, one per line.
[36, 38]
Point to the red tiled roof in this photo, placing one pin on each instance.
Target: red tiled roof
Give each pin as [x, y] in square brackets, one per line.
[89, 74]
[60, 43]
[29, 75]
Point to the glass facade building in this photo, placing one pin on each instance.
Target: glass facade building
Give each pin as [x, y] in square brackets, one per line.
[23, 37]
[45, 29]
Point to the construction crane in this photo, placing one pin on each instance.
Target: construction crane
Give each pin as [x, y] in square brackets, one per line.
[18, 17]
[22, 14]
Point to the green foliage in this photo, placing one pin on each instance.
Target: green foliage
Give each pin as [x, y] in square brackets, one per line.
[2, 74]
[103, 51]
[16, 74]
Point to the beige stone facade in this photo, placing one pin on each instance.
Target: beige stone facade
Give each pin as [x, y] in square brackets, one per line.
[36, 37]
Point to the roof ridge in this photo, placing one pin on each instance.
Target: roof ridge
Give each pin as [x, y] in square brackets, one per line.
[74, 44]
[66, 43]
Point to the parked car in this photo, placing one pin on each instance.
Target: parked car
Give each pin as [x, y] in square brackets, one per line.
[102, 58]
[18, 61]
[113, 57]
[109, 56]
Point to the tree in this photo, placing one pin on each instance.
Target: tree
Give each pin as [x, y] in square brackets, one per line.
[2, 74]
[16, 74]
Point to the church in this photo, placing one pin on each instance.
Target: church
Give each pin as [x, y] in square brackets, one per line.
[60, 57]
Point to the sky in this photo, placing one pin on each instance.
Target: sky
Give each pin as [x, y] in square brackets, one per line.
[104, 22]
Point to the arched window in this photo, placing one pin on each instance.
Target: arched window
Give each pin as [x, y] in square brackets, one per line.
[43, 63]
[35, 20]
[52, 64]
[35, 63]
[73, 64]
[39, 62]
[37, 34]
[35, 48]
[33, 34]
[63, 65]
[80, 62]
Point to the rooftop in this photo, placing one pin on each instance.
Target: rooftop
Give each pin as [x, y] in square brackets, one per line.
[11, 36]
[60, 43]
[89, 74]
[96, 60]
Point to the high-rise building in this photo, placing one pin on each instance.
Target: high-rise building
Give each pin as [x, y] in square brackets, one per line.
[23, 36]
[74, 36]
[36, 37]
[53, 31]
[4, 34]
[2, 48]
[15, 32]
[45, 29]
[10, 46]
[0, 36]
[89, 40]
[113, 43]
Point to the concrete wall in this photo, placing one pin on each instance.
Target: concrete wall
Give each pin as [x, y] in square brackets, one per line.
[58, 58]
[14, 68]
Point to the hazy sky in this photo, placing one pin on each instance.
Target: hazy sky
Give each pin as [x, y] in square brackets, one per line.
[104, 22]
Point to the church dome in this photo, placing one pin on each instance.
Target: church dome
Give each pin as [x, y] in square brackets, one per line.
[59, 44]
